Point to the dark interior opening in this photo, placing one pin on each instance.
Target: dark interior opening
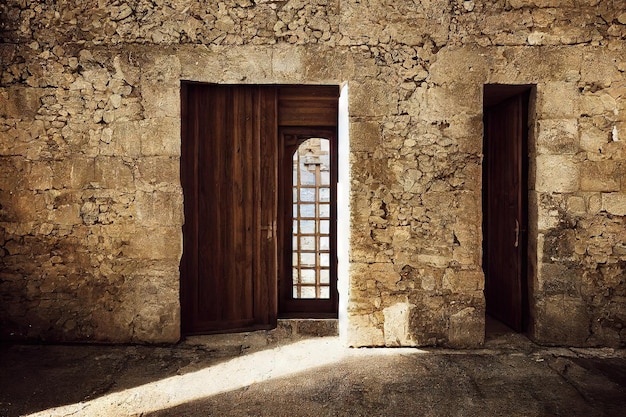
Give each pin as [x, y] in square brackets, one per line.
[505, 206]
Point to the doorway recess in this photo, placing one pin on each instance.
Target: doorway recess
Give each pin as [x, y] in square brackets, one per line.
[236, 256]
[505, 203]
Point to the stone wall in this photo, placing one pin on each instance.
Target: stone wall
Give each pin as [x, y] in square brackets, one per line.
[91, 203]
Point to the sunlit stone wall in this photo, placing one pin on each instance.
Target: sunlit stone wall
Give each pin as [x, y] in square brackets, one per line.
[91, 205]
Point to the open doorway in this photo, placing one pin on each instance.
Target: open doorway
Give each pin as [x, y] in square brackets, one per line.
[235, 237]
[308, 221]
[505, 206]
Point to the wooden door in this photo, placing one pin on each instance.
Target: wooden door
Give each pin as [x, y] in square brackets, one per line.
[505, 188]
[229, 178]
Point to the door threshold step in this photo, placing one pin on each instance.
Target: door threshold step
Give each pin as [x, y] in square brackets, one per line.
[286, 331]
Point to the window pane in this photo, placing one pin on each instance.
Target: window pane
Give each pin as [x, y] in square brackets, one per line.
[324, 227]
[307, 194]
[325, 194]
[324, 292]
[324, 243]
[324, 276]
[325, 178]
[307, 292]
[307, 210]
[324, 210]
[307, 243]
[307, 276]
[307, 259]
[307, 177]
[324, 259]
[307, 226]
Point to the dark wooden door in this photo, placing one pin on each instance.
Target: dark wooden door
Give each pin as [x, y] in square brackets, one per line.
[505, 210]
[229, 177]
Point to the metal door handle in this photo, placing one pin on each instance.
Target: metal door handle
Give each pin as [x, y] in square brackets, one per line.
[516, 233]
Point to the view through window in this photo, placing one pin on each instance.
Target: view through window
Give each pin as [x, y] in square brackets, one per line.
[311, 220]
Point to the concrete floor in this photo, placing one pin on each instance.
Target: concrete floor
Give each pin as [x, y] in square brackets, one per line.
[257, 375]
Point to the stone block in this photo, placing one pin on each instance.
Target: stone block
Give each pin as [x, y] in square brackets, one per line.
[397, 325]
[592, 137]
[468, 129]
[159, 243]
[362, 331]
[331, 66]
[153, 302]
[558, 245]
[75, 172]
[380, 273]
[20, 102]
[158, 173]
[600, 176]
[288, 62]
[372, 98]
[597, 104]
[160, 137]
[558, 100]
[558, 279]
[576, 205]
[557, 174]
[442, 104]
[614, 203]
[158, 101]
[601, 66]
[557, 136]
[126, 138]
[68, 215]
[159, 208]
[316, 327]
[463, 281]
[365, 136]
[467, 328]
[39, 176]
[595, 203]
[22, 206]
[114, 173]
[454, 64]
[561, 320]
[225, 64]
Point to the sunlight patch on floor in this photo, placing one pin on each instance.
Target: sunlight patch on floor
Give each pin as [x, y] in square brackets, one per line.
[231, 375]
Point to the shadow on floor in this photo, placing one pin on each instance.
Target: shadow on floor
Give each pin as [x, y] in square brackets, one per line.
[315, 377]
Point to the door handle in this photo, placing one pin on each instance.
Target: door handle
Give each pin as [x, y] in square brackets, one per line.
[270, 229]
[516, 233]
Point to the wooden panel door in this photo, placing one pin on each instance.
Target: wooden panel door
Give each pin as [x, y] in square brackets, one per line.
[505, 214]
[229, 177]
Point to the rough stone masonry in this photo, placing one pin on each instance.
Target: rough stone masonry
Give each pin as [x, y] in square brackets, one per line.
[91, 205]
